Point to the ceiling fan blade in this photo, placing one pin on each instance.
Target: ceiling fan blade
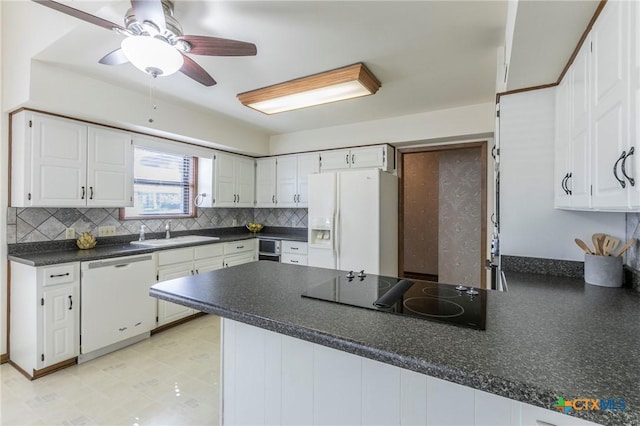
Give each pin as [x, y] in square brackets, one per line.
[79, 14]
[192, 70]
[215, 46]
[117, 57]
[151, 11]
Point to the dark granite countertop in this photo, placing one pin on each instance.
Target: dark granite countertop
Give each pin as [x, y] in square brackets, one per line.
[547, 337]
[55, 252]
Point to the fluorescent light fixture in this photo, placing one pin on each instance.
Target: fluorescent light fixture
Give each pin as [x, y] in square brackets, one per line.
[152, 55]
[348, 82]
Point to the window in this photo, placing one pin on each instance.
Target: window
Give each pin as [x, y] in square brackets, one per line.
[163, 184]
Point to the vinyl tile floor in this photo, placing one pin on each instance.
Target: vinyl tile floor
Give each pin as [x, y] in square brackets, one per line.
[173, 378]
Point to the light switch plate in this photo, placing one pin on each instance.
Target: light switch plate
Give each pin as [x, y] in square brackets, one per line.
[70, 233]
[106, 231]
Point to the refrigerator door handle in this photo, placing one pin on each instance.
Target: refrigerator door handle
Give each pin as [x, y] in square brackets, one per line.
[336, 236]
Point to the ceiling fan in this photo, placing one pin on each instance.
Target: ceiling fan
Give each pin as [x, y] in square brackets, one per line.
[154, 41]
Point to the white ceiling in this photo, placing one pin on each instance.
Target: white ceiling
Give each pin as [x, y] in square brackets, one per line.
[429, 55]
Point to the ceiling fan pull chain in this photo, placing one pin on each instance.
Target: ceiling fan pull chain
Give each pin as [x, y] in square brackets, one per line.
[153, 106]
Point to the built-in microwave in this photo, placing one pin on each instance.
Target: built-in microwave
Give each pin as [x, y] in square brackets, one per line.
[269, 249]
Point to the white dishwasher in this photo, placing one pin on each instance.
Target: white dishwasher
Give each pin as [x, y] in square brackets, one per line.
[115, 307]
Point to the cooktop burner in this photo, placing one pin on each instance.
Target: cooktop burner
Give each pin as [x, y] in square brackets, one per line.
[464, 306]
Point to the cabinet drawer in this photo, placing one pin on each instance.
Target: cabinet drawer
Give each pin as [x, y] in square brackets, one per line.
[168, 257]
[60, 274]
[239, 246]
[294, 247]
[294, 259]
[211, 250]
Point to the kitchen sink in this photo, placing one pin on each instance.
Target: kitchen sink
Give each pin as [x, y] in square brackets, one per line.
[176, 241]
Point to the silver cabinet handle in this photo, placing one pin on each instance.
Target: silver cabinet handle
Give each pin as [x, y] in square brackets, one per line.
[294, 248]
[347, 158]
[353, 158]
[294, 261]
[239, 247]
[273, 199]
[70, 302]
[631, 180]
[91, 192]
[82, 197]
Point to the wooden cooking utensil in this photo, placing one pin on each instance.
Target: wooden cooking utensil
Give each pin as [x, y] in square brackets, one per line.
[626, 247]
[609, 244]
[597, 240]
[583, 245]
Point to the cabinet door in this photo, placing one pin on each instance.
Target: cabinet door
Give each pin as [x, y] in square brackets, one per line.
[61, 325]
[244, 182]
[335, 160]
[266, 182]
[109, 168]
[167, 311]
[580, 181]
[610, 105]
[368, 157]
[294, 259]
[307, 164]
[59, 155]
[562, 147]
[207, 265]
[633, 163]
[287, 181]
[224, 181]
[239, 259]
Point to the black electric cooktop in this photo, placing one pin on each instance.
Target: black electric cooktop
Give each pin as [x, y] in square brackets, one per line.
[458, 305]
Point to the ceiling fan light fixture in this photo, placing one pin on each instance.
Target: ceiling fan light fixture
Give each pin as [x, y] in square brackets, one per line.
[331, 86]
[152, 55]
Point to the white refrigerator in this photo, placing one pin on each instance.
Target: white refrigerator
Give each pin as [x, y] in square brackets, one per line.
[353, 221]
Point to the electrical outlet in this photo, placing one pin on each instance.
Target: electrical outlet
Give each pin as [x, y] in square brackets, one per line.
[106, 231]
[235, 222]
[70, 233]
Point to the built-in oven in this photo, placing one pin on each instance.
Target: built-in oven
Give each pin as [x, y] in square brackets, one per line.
[269, 249]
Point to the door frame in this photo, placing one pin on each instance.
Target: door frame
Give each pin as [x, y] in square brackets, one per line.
[483, 202]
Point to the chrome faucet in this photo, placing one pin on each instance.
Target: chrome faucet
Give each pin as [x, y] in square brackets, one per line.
[167, 230]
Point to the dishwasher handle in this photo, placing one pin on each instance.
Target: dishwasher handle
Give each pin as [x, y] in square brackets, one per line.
[118, 263]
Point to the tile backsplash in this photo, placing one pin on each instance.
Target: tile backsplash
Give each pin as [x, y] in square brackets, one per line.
[26, 225]
[633, 231]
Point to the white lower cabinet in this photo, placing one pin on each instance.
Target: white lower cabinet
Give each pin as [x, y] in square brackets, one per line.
[239, 252]
[270, 378]
[44, 315]
[182, 262]
[294, 252]
[169, 312]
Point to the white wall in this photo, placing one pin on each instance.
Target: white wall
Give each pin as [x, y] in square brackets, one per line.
[530, 226]
[460, 123]
[4, 176]
[79, 96]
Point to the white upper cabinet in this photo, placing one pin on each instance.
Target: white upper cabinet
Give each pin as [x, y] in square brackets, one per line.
[610, 142]
[562, 170]
[226, 181]
[293, 178]
[57, 162]
[109, 168]
[603, 86]
[580, 180]
[379, 156]
[266, 182]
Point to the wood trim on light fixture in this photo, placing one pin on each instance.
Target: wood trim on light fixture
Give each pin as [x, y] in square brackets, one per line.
[356, 72]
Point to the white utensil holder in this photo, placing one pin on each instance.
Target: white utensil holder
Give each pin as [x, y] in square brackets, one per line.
[605, 271]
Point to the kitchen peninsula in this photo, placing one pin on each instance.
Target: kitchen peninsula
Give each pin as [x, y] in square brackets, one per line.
[289, 358]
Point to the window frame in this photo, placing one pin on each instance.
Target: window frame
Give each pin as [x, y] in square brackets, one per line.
[193, 189]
